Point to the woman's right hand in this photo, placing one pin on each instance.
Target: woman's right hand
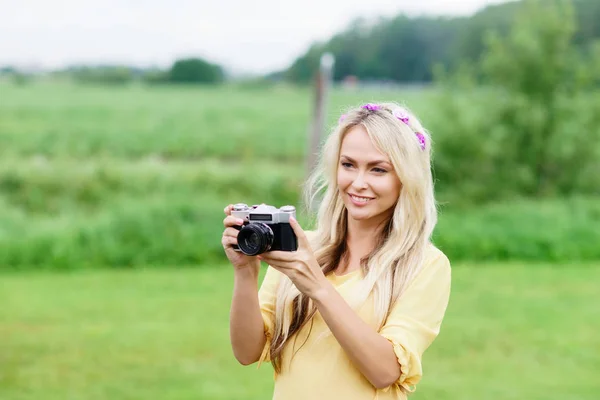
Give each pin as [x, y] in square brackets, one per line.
[238, 259]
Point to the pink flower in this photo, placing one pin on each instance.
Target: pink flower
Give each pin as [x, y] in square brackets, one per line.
[421, 139]
[342, 117]
[401, 115]
[371, 107]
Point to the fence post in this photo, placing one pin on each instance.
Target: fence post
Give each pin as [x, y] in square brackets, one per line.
[322, 84]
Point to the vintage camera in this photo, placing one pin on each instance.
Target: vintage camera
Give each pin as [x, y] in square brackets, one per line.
[265, 228]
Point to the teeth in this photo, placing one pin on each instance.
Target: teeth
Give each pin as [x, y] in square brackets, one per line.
[360, 199]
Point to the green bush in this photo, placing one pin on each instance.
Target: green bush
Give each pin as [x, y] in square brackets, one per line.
[112, 75]
[550, 230]
[129, 176]
[184, 229]
[534, 129]
[71, 215]
[155, 76]
[195, 70]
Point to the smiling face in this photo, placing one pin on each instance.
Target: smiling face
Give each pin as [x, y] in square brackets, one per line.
[366, 179]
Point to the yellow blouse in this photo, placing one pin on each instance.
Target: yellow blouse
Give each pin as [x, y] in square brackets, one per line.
[320, 368]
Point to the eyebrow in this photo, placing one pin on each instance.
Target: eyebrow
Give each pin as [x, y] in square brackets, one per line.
[369, 164]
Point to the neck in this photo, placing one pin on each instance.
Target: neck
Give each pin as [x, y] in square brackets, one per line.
[363, 231]
[361, 235]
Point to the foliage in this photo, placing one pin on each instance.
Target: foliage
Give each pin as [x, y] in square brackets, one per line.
[400, 48]
[20, 78]
[114, 75]
[154, 76]
[130, 176]
[56, 121]
[405, 49]
[529, 230]
[535, 129]
[74, 215]
[195, 70]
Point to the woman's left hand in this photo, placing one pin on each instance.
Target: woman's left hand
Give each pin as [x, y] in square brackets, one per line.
[300, 266]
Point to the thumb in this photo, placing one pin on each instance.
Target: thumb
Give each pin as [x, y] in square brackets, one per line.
[302, 240]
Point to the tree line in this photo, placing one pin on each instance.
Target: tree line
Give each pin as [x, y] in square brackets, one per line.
[407, 49]
[401, 49]
[187, 70]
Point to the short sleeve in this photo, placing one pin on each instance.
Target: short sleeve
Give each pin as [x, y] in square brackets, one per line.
[415, 319]
[267, 295]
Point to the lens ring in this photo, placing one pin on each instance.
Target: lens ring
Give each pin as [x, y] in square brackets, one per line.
[255, 239]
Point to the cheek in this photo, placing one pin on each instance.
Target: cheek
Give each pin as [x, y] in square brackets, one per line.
[395, 187]
[343, 180]
[388, 188]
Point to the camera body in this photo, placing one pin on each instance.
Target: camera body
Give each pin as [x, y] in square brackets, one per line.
[265, 228]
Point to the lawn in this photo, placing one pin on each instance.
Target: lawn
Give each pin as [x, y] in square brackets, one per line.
[138, 175]
[511, 332]
[175, 122]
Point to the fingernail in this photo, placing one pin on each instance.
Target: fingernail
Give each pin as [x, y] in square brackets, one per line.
[292, 219]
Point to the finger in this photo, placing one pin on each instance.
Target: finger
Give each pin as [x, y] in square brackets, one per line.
[227, 209]
[232, 221]
[228, 241]
[284, 256]
[281, 266]
[302, 240]
[231, 232]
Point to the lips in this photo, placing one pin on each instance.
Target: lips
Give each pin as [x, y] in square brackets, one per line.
[359, 200]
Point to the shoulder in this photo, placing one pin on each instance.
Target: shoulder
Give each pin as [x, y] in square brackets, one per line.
[436, 266]
[434, 256]
[426, 296]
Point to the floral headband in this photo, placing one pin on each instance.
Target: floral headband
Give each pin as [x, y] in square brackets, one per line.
[398, 113]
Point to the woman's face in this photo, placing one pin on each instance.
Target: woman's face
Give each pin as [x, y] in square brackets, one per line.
[366, 179]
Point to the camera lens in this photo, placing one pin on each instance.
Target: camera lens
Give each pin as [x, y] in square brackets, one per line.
[255, 239]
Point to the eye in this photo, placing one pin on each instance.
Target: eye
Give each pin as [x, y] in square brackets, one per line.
[379, 170]
[346, 165]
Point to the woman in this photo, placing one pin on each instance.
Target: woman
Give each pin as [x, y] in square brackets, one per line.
[350, 313]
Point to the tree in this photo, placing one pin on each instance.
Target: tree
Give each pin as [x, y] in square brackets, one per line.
[195, 70]
[534, 126]
[405, 49]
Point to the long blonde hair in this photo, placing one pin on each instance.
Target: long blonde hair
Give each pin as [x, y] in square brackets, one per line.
[399, 250]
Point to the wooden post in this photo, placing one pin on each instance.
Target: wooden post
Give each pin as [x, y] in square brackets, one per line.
[322, 84]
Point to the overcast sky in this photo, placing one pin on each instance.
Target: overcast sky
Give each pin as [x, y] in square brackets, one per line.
[245, 36]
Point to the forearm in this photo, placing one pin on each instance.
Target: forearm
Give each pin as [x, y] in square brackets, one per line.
[246, 327]
[370, 352]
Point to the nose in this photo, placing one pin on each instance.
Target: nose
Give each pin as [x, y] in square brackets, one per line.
[359, 182]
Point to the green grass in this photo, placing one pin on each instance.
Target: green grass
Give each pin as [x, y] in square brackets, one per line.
[511, 332]
[129, 176]
[60, 120]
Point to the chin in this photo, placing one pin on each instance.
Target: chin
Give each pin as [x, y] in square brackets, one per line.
[358, 214]
[360, 217]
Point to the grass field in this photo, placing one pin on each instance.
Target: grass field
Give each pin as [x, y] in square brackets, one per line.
[137, 175]
[75, 121]
[511, 332]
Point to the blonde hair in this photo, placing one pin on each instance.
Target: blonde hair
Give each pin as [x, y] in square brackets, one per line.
[399, 249]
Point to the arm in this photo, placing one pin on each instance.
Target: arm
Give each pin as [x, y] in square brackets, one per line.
[370, 352]
[251, 309]
[393, 355]
[246, 326]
